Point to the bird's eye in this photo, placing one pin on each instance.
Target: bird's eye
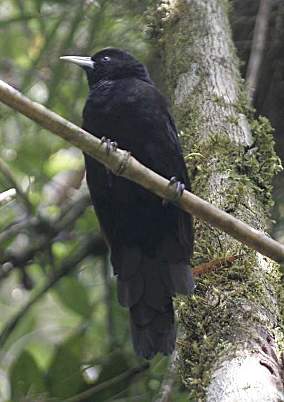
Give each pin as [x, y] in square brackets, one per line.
[106, 58]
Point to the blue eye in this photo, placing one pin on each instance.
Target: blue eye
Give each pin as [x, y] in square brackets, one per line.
[106, 58]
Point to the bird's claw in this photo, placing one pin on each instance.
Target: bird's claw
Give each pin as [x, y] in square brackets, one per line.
[179, 189]
[111, 146]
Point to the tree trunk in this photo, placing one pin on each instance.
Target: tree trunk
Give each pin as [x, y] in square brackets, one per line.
[269, 89]
[230, 347]
[269, 93]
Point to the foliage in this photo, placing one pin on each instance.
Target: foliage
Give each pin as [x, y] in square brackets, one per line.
[70, 335]
[73, 335]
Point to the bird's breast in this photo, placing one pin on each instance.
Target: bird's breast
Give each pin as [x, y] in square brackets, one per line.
[123, 112]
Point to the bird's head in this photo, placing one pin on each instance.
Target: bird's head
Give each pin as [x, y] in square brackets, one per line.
[110, 64]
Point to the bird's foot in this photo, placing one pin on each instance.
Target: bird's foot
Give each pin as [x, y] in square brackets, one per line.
[179, 189]
[111, 146]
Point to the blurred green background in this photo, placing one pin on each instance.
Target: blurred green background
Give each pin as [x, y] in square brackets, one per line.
[75, 335]
[60, 338]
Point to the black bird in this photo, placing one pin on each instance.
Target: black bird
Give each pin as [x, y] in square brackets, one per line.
[151, 244]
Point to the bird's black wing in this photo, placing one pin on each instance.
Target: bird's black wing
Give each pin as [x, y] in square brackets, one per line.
[150, 244]
[164, 155]
[185, 220]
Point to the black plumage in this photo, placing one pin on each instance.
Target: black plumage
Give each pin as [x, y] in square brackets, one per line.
[150, 244]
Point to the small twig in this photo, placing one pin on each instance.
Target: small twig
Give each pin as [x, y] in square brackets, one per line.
[45, 231]
[68, 216]
[141, 175]
[168, 382]
[108, 298]
[20, 5]
[75, 210]
[7, 196]
[20, 257]
[16, 227]
[210, 266]
[95, 245]
[5, 170]
[257, 46]
[126, 375]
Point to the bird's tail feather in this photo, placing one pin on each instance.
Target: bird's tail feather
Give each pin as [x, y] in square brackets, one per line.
[146, 286]
[154, 332]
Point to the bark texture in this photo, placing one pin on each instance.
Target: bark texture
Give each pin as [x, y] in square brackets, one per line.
[230, 349]
[269, 90]
[270, 86]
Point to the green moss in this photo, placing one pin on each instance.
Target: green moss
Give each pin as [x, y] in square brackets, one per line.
[221, 313]
[248, 171]
[189, 119]
[243, 104]
[254, 166]
[164, 26]
[233, 119]
[219, 100]
[159, 17]
[211, 330]
[260, 163]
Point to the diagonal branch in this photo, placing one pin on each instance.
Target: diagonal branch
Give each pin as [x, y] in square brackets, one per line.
[258, 45]
[121, 163]
[166, 390]
[46, 232]
[127, 375]
[5, 170]
[7, 196]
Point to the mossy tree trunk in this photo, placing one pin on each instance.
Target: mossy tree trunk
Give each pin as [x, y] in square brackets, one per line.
[230, 349]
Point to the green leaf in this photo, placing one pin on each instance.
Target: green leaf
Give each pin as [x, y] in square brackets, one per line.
[26, 378]
[111, 368]
[64, 375]
[73, 295]
[88, 221]
[42, 351]
[64, 159]
[19, 334]
[62, 249]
